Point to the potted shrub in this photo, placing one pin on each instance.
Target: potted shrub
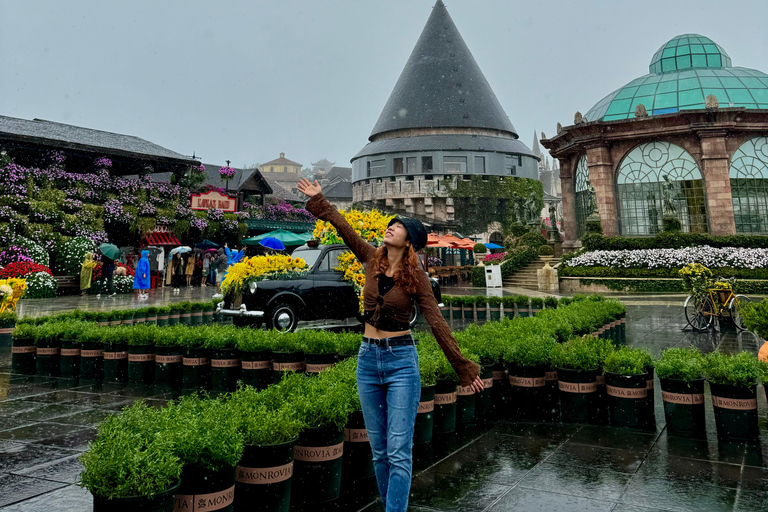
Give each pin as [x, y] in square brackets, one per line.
[627, 387]
[208, 313]
[347, 344]
[481, 308]
[127, 317]
[103, 317]
[196, 311]
[255, 358]
[163, 316]
[7, 323]
[489, 346]
[537, 303]
[263, 477]
[70, 348]
[151, 315]
[196, 361]
[681, 374]
[468, 307]
[576, 363]
[495, 307]
[479, 251]
[174, 313]
[115, 318]
[320, 350]
[141, 354]
[23, 350]
[425, 414]
[131, 465]
[546, 253]
[508, 306]
[209, 443]
[185, 313]
[602, 347]
[733, 383]
[92, 353]
[115, 355]
[287, 354]
[169, 355]
[446, 383]
[528, 360]
[225, 360]
[466, 398]
[521, 301]
[48, 349]
[550, 302]
[139, 316]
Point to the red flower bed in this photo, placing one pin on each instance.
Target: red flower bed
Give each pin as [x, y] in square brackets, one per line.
[23, 269]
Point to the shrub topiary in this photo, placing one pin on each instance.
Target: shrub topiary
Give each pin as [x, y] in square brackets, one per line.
[546, 250]
[594, 226]
[530, 239]
[671, 224]
[479, 248]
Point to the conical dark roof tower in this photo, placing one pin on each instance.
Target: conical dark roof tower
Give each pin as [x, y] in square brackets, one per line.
[442, 86]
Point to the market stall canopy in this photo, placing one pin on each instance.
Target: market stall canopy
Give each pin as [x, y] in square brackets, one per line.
[286, 237]
[161, 238]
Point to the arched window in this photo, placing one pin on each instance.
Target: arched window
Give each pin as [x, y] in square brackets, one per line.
[583, 191]
[749, 186]
[658, 179]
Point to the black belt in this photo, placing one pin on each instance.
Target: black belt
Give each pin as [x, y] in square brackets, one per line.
[403, 339]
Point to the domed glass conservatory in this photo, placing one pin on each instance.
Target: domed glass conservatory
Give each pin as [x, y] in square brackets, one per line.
[688, 139]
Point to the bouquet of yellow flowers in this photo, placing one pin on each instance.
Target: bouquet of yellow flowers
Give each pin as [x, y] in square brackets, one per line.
[258, 268]
[697, 279]
[371, 226]
[11, 290]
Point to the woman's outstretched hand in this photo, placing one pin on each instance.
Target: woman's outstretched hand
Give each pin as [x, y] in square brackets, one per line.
[477, 385]
[307, 188]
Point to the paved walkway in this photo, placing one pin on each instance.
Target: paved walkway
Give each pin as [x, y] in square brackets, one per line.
[503, 466]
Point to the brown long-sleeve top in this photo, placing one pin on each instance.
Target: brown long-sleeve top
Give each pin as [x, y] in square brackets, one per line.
[397, 303]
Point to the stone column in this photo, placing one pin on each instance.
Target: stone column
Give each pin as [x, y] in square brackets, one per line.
[601, 176]
[571, 241]
[717, 182]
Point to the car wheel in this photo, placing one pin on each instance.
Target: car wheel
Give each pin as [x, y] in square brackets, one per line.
[414, 316]
[283, 318]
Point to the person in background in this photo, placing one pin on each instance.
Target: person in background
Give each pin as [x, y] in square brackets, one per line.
[141, 279]
[189, 269]
[108, 272]
[222, 262]
[86, 273]
[206, 269]
[177, 270]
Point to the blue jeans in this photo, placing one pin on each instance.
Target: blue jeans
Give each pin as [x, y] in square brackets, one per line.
[389, 386]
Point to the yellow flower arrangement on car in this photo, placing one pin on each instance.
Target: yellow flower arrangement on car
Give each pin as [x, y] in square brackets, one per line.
[257, 268]
[371, 226]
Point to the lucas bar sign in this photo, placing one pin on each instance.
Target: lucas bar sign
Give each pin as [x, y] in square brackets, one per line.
[214, 199]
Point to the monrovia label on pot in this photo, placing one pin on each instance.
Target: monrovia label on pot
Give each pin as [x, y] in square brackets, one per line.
[288, 367]
[6, 330]
[30, 349]
[627, 392]
[356, 435]
[649, 384]
[116, 355]
[577, 387]
[318, 453]
[737, 404]
[164, 317]
[69, 352]
[47, 351]
[256, 365]
[425, 407]
[600, 380]
[487, 383]
[262, 476]
[92, 353]
[550, 376]
[498, 375]
[177, 358]
[527, 382]
[140, 358]
[682, 398]
[464, 390]
[204, 502]
[445, 398]
[196, 361]
[225, 363]
[317, 368]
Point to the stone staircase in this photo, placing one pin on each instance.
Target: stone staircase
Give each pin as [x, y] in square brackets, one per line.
[526, 277]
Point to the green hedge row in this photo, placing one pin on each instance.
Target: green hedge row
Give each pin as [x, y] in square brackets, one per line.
[739, 273]
[671, 240]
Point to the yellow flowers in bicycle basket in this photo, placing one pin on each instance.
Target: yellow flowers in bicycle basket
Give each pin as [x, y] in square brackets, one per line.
[370, 226]
[257, 268]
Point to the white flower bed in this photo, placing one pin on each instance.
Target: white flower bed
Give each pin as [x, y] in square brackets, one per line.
[730, 257]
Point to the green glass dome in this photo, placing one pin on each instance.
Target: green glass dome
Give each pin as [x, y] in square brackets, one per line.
[683, 73]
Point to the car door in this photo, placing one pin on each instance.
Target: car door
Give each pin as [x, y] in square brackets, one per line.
[330, 292]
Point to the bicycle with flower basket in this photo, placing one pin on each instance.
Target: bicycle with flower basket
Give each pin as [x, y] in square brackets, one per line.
[710, 299]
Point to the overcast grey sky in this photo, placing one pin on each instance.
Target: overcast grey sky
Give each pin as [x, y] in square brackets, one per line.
[246, 80]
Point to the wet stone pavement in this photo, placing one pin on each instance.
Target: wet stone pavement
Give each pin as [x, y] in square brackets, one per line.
[46, 423]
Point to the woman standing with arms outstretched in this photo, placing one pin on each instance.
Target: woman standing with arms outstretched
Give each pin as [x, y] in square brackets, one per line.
[388, 378]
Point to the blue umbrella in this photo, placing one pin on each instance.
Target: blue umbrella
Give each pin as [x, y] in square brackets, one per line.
[492, 245]
[272, 243]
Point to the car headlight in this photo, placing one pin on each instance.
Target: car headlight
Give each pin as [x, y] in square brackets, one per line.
[252, 286]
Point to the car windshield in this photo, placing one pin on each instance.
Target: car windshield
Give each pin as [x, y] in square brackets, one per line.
[309, 255]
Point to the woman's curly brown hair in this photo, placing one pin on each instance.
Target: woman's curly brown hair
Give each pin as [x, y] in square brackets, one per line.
[406, 275]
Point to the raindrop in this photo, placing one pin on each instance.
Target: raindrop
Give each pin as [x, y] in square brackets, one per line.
[402, 112]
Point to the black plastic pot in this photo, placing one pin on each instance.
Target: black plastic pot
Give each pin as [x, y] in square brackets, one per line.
[735, 412]
[495, 313]
[499, 391]
[141, 364]
[263, 478]
[287, 362]
[425, 416]
[225, 369]
[522, 312]
[168, 366]
[162, 320]
[627, 399]
[207, 317]
[196, 368]
[357, 462]
[482, 311]
[162, 502]
[5, 333]
[651, 398]
[578, 395]
[466, 402]
[92, 361]
[173, 318]
[185, 318]
[528, 384]
[445, 407]
[216, 489]
[257, 368]
[69, 363]
[48, 358]
[317, 465]
[196, 318]
[151, 320]
[684, 406]
[484, 399]
[550, 397]
[23, 354]
[116, 362]
[319, 362]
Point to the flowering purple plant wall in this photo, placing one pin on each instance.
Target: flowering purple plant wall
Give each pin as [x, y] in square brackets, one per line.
[282, 211]
[12, 254]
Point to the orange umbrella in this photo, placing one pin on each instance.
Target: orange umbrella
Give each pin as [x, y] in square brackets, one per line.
[435, 240]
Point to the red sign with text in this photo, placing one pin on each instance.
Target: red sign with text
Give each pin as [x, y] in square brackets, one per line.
[214, 199]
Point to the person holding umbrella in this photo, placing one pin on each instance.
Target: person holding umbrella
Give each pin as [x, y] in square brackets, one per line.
[141, 279]
[109, 254]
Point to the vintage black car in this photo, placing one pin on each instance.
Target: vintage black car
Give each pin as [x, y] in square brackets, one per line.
[321, 294]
